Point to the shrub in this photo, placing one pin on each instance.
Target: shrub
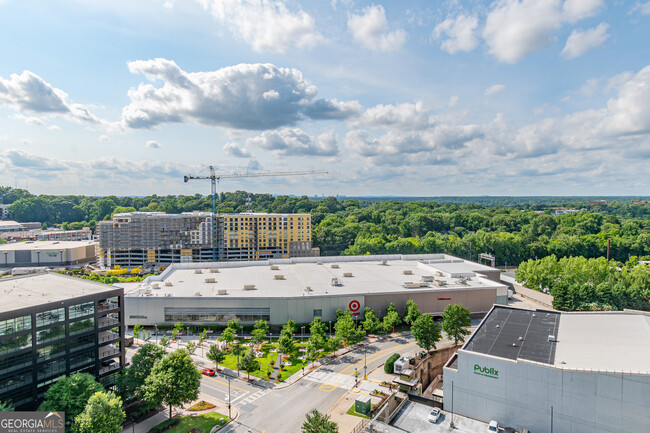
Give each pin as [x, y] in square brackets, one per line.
[165, 425]
[390, 362]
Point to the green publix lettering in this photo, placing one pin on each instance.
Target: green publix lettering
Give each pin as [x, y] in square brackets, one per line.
[485, 371]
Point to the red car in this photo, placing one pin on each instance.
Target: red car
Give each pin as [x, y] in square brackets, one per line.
[208, 371]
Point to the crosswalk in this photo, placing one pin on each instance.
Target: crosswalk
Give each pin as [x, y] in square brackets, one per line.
[251, 398]
[335, 380]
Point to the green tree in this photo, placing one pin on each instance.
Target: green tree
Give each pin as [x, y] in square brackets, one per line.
[203, 336]
[129, 384]
[103, 413]
[228, 335]
[456, 322]
[234, 325]
[173, 381]
[317, 422]
[412, 312]
[190, 347]
[215, 355]
[70, 394]
[391, 320]
[178, 328]
[5, 406]
[164, 341]
[370, 323]
[345, 329]
[426, 332]
[238, 351]
[260, 330]
[289, 328]
[287, 344]
[249, 364]
[137, 330]
[317, 334]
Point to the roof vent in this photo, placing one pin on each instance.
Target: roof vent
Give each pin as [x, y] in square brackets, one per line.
[384, 263]
[407, 272]
[335, 282]
[308, 289]
[498, 326]
[319, 263]
[168, 295]
[197, 293]
[335, 266]
[438, 274]
[275, 268]
[210, 280]
[347, 274]
[552, 338]
[214, 271]
[222, 292]
[428, 278]
[198, 271]
[514, 344]
[521, 338]
[278, 277]
[249, 286]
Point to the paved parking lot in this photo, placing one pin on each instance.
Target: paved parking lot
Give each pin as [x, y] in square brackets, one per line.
[413, 419]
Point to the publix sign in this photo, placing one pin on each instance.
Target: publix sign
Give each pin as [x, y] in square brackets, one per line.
[485, 371]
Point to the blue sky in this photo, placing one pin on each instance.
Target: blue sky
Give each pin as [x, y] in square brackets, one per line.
[511, 97]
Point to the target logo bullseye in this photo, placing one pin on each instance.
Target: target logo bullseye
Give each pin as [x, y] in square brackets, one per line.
[354, 306]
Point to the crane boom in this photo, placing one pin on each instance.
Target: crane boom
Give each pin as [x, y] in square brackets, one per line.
[214, 178]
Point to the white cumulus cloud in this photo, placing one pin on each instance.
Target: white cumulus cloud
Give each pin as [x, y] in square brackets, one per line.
[516, 28]
[579, 42]
[266, 25]
[371, 30]
[494, 89]
[457, 34]
[152, 144]
[294, 141]
[244, 96]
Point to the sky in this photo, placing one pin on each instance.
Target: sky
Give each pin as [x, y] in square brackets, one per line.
[406, 98]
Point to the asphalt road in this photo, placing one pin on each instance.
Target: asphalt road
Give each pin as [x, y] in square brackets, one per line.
[283, 410]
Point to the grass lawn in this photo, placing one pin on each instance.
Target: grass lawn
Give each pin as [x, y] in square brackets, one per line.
[205, 422]
[265, 361]
[351, 411]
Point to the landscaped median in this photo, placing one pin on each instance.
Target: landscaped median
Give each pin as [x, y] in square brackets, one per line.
[195, 424]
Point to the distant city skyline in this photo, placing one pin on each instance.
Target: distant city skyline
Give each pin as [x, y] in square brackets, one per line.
[453, 98]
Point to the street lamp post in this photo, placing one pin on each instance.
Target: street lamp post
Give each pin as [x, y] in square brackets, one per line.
[6, 252]
[61, 256]
[365, 365]
[330, 329]
[270, 338]
[38, 257]
[451, 424]
[229, 416]
[156, 329]
[302, 338]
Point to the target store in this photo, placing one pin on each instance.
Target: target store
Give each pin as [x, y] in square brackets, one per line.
[304, 288]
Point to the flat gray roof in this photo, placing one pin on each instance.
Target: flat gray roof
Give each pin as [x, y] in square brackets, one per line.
[45, 245]
[37, 289]
[365, 276]
[615, 341]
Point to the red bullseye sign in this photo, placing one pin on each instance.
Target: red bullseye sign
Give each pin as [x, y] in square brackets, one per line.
[354, 306]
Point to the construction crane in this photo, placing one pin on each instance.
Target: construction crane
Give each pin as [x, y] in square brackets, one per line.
[214, 180]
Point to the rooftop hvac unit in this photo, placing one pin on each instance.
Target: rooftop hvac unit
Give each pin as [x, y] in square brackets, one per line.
[384, 263]
[308, 289]
[155, 286]
[197, 293]
[214, 271]
[222, 292]
[428, 278]
[335, 266]
[210, 280]
[411, 285]
[278, 277]
[347, 274]
[275, 268]
[168, 284]
[168, 295]
[407, 272]
[147, 292]
[249, 286]
[335, 282]
[438, 274]
[198, 271]
[319, 263]
[439, 283]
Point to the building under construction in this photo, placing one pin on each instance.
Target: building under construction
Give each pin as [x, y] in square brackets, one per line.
[158, 239]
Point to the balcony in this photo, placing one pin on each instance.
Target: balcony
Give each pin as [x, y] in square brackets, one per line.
[108, 368]
[108, 351]
[105, 336]
[104, 322]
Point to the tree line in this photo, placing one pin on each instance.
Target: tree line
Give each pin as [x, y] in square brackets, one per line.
[511, 233]
[578, 283]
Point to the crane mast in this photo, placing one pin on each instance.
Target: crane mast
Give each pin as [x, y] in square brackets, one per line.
[215, 178]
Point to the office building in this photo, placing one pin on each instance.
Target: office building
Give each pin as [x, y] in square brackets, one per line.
[550, 371]
[53, 325]
[154, 238]
[303, 288]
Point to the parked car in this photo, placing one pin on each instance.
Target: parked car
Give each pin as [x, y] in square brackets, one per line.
[493, 427]
[434, 415]
[208, 371]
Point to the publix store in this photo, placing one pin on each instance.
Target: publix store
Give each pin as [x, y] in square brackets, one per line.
[554, 372]
[303, 288]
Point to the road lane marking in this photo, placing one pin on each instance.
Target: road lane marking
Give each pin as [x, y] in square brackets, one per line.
[376, 355]
[226, 383]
